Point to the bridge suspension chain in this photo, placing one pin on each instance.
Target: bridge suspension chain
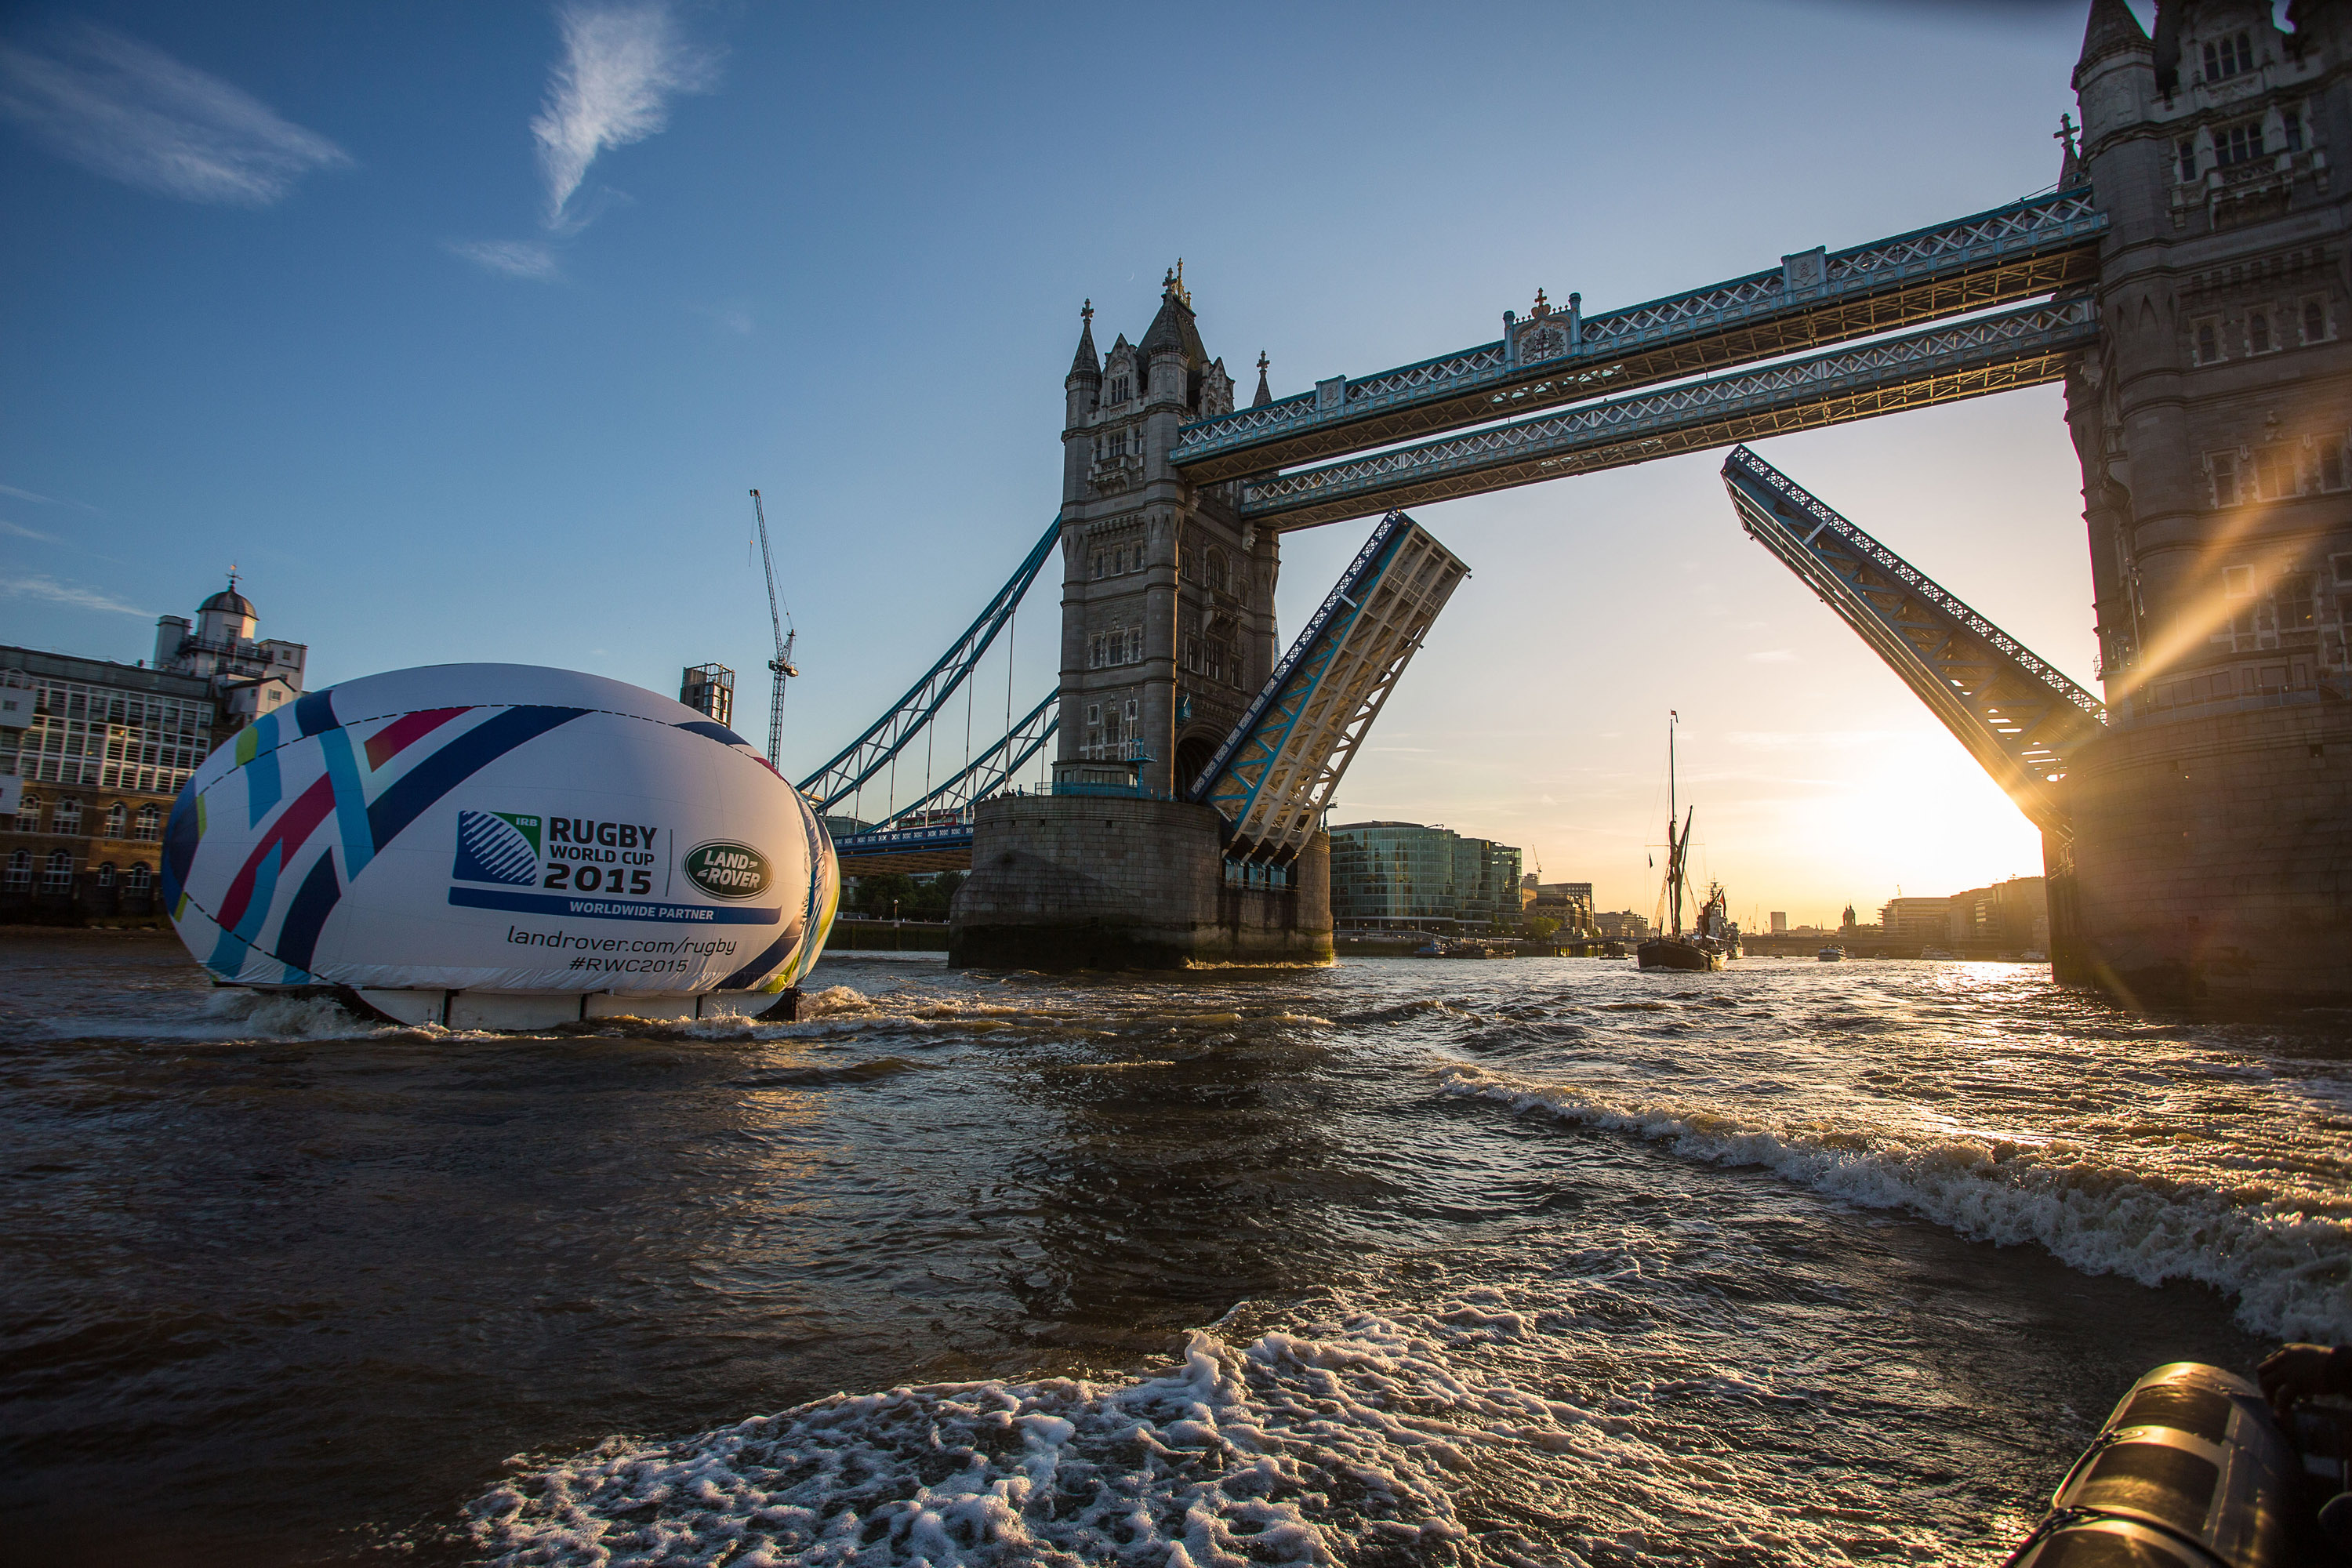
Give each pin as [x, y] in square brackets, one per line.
[996, 766]
[876, 750]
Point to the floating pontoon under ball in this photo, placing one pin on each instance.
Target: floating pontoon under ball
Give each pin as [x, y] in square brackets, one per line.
[500, 846]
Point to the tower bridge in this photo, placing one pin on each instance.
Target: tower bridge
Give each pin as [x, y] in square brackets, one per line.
[2187, 282]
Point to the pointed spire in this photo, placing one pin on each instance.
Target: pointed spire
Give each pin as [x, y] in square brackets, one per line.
[1086, 362]
[2111, 27]
[1265, 392]
[2070, 167]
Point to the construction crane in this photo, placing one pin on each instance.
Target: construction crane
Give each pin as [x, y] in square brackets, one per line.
[781, 664]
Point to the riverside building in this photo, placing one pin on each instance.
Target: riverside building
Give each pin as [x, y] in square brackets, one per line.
[1402, 875]
[93, 753]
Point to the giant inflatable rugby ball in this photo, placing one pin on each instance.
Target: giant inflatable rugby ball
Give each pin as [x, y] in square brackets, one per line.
[499, 831]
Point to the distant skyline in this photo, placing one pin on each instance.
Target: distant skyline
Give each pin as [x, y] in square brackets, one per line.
[466, 330]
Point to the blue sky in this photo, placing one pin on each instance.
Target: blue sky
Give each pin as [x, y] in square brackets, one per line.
[464, 330]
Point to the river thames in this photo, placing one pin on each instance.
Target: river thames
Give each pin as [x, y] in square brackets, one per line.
[1531, 1261]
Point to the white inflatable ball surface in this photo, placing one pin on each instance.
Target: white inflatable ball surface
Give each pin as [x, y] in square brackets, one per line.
[497, 826]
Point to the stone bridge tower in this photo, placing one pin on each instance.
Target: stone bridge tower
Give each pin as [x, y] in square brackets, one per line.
[1167, 597]
[2213, 846]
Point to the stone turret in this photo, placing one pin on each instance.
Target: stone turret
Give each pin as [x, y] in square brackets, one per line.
[1167, 600]
[1167, 630]
[1084, 384]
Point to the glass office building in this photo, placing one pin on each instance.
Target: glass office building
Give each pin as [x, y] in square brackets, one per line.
[1402, 875]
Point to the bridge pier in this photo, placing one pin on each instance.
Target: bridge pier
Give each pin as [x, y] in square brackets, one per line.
[2213, 860]
[1072, 881]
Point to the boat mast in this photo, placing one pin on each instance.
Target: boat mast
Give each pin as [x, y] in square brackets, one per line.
[1682, 870]
[1673, 845]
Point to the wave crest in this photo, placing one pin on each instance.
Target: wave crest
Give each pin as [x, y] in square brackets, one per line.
[2290, 1272]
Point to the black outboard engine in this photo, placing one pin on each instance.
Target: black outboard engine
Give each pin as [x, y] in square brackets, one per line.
[2191, 1471]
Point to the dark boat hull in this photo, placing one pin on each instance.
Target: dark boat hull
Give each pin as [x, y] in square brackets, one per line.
[1667, 952]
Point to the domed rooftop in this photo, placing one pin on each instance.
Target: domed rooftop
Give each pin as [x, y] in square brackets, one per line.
[229, 600]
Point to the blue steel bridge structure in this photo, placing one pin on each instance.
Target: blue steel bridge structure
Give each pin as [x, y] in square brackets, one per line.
[1983, 304]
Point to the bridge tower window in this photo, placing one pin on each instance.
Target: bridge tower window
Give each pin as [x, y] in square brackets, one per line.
[2187, 156]
[2274, 477]
[2228, 56]
[2209, 341]
[2331, 461]
[2315, 320]
[2257, 332]
[2224, 467]
[2239, 143]
[2298, 609]
[2291, 130]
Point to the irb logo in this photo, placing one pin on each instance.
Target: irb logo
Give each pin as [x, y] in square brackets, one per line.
[496, 847]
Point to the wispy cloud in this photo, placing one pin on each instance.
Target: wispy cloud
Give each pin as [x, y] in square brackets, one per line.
[514, 258]
[35, 586]
[129, 112]
[621, 66]
[40, 499]
[21, 532]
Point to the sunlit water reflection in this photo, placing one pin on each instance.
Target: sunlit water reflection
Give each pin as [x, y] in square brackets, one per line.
[1536, 1261]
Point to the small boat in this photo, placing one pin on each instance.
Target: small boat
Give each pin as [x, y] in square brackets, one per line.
[1672, 948]
[1677, 952]
[1715, 923]
[1832, 955]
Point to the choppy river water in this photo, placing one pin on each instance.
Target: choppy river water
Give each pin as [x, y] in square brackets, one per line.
[1539, 1262]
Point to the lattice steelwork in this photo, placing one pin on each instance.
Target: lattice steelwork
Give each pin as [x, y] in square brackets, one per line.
[1990, 353]
[2042, 246]
[993, 769]
[1275, 774]
[871, 752]
[2017, 716]
[915, 839]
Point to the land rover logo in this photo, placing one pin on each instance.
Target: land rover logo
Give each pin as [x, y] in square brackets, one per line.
[727, 870]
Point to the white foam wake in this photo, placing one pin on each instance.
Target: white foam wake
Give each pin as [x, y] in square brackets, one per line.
[1278, 1453]
[2290, 1271]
